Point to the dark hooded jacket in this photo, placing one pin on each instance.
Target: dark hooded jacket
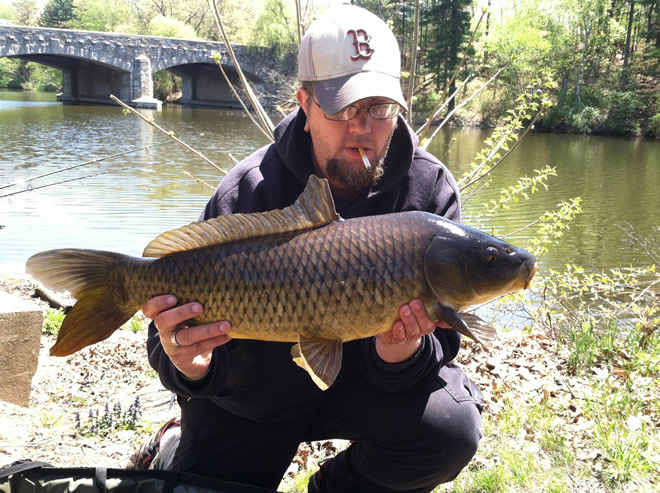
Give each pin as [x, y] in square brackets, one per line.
[258, 380]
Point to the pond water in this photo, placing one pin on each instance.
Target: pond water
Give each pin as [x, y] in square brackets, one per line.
[132, 198]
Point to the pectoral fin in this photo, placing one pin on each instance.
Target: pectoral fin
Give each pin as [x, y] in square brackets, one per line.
[321, 358]
[467, 324]
[484, 332]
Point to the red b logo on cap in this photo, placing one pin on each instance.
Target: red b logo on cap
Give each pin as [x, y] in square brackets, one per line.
[361, 44]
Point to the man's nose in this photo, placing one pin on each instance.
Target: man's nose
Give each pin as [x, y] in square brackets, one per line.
[362, 123]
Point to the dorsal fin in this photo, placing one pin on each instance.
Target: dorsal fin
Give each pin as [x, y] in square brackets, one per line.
[314, 208]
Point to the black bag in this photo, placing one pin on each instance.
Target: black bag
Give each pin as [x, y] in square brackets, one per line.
[35, 477]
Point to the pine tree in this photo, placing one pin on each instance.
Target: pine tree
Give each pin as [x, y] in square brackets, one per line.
[445, 29]
[58, 13]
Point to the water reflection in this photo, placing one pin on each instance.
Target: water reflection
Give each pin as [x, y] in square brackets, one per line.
[618, 179]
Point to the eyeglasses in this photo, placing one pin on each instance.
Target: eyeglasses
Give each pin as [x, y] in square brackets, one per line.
[380, 111]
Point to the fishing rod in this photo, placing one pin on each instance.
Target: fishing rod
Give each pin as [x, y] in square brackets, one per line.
[30, 189]
[93, 161]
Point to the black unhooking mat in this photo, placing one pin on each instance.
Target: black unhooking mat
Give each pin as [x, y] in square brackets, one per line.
[34, 477]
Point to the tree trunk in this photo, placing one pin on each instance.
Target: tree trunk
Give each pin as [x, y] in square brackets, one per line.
[610, 11]
[563, 91]
[453, 56]
[578, 79]
[649, 23]
[487, 32]
[626, 52]
[452, 101]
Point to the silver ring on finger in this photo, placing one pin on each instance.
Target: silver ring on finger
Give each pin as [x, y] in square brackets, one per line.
[174, 340]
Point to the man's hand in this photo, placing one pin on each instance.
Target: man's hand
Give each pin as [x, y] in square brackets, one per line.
[402, 341]
[189, 348]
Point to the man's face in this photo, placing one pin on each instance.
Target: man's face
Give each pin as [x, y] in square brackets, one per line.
[335, 145]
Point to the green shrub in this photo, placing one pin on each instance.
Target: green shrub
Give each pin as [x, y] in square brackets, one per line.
[587, 120]
[53, 321]
[654, 126]
[622, 112]
[166, 84]
[111, 421]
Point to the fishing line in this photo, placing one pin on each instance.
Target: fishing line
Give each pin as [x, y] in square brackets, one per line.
[31, 188]
[98, 160]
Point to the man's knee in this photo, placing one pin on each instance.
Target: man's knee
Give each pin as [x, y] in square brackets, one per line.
[434, 452]
[451, 428]
[456, 442]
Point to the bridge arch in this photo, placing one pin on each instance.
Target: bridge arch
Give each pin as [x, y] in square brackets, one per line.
[95, 65]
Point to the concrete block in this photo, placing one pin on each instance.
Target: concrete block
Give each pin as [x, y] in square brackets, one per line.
[21, 323]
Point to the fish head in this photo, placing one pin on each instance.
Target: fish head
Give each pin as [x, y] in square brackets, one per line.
[464, 266]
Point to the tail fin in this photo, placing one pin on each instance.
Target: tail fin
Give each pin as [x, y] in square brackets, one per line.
[86, 275]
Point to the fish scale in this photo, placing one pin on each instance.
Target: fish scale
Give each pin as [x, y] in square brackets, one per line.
[328, 295]
[299, 274]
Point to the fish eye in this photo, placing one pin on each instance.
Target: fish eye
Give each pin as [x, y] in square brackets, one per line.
[492, 254]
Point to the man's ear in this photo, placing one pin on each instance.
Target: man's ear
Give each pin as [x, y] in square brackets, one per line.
[303, 100]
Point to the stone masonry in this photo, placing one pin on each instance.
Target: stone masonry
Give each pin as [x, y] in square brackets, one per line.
[95, 63]
[20, 332]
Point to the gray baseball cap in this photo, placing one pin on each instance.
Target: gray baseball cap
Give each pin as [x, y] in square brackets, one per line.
[350, 54]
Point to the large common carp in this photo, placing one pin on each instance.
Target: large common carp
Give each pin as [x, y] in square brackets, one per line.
[300, 274]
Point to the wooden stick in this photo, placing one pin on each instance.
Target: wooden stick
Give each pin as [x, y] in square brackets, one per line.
[169, 134]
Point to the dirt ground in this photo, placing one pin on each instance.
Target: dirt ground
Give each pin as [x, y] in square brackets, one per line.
[520, 366]
[113, 371]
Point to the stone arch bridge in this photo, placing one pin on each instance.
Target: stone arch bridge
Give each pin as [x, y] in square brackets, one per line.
[95, 65]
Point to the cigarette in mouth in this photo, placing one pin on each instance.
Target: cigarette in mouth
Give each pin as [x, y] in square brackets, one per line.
[365, 159]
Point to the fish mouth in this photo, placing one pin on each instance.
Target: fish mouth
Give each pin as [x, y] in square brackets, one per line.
[532, 271]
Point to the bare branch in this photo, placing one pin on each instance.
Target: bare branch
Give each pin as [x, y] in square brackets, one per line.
[515, 144]
[247, 112]
[169, 134]
[199, 180]
[299, 22]
[640, 239]
[266, 124]
[440, 108]
[451, 113]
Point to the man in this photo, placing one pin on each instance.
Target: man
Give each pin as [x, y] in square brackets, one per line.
[413, 416]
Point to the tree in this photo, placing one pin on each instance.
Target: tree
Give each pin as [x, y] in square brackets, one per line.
[169, 27]
[26, 12]
[445, 26]
[626, 51]
[276, 26]
[101, 15]
[58, 13]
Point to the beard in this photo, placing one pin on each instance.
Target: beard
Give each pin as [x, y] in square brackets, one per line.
[357, 179]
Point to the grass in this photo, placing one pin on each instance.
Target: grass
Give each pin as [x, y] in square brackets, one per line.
[52, 321]
[601, 430]
[137, 324]
[595, 430]
[521, 451]
[298, 483]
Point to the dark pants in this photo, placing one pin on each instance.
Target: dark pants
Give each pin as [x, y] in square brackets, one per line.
[406, 441]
